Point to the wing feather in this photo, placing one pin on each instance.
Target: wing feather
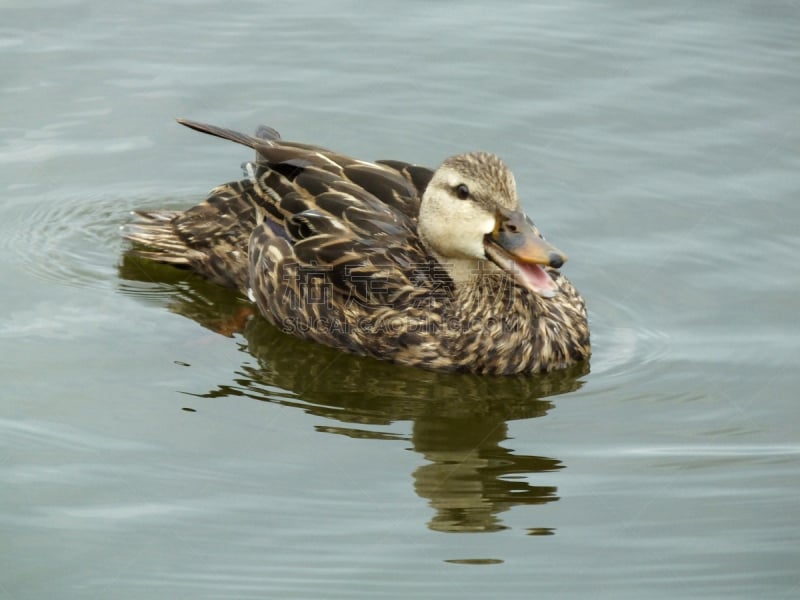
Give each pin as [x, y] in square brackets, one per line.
[303, 209]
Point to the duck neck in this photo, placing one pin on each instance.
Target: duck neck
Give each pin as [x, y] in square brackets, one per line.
[482, 290]
[463, 271]
[490, 292]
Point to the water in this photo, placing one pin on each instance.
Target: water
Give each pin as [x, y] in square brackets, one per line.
[145, 453]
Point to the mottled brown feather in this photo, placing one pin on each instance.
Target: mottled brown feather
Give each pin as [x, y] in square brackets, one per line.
[327, 245]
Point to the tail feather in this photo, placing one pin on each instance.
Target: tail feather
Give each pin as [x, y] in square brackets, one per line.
[212, 238]
[209, 239]
[263, 137]
[155, 231]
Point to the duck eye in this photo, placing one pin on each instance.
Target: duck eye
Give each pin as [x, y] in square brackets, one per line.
[462, 191]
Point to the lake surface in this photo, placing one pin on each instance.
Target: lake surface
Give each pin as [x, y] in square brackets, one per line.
[144, 453]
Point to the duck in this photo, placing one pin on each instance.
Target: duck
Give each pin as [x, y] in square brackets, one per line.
[438, 269]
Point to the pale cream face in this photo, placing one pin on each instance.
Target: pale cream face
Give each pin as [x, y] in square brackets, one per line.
[454, 228]
[453, 224]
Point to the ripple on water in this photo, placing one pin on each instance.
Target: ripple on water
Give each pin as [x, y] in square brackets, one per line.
[75, 240]
[621, 344]
[71, 240]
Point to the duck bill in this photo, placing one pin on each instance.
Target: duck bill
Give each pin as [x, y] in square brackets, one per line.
[516, 247]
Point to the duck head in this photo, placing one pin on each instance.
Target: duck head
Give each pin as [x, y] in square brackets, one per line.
[470, 212]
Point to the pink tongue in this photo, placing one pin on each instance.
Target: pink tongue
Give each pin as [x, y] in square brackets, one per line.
[538, 279]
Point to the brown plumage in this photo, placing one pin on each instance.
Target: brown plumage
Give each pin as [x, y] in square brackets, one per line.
[436, 269]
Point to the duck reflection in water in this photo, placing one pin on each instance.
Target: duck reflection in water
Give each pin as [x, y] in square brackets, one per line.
[458, 421]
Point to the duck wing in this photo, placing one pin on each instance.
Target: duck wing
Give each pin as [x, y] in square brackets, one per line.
[396, 184]
[306, 206]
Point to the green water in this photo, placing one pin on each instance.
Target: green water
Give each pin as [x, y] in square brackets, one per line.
[144, 454]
